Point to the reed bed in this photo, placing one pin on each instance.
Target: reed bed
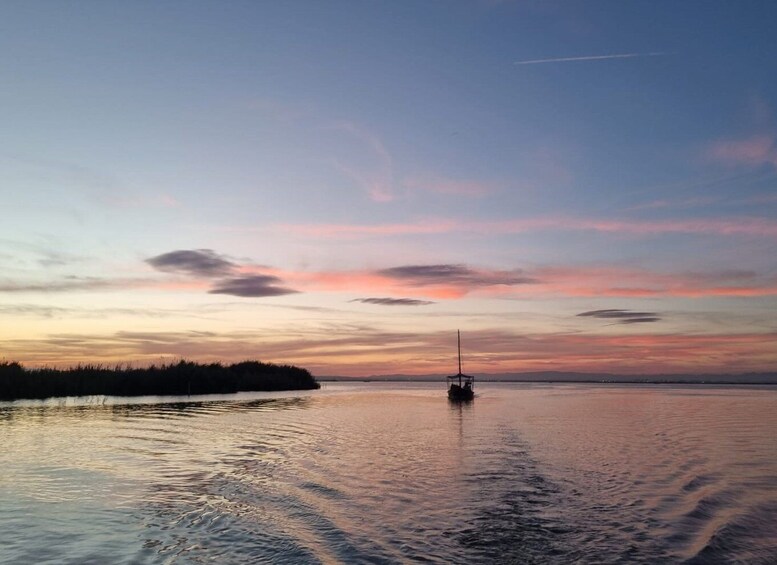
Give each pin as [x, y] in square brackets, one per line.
[178, 378]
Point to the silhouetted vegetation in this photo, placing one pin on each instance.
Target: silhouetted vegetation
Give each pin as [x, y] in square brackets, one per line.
[181, 378]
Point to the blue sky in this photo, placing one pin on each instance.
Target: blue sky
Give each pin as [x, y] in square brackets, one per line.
[501, 167]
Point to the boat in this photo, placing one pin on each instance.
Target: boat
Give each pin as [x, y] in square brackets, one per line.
[461, 387]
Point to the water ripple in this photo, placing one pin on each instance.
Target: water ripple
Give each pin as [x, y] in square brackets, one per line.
[395, 474]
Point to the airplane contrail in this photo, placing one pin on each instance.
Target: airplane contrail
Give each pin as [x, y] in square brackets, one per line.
[588, 58]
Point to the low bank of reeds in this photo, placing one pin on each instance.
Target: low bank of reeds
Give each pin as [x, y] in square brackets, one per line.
[181, 378]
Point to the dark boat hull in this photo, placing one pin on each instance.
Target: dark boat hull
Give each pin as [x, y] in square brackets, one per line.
[459, 393]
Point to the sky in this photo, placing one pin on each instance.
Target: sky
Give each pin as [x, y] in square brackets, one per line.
[576, 186]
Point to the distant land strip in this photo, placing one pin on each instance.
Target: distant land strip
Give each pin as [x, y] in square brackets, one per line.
[761, 378]
[177, 379]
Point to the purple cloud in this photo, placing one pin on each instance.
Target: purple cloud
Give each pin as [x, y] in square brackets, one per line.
[251, 286]
[422, 275]
[199, 262]
[393, 301]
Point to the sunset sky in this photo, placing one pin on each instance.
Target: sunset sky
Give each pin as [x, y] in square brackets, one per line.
[586, 186]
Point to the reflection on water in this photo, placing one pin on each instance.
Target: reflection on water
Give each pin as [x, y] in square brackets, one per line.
[395, 473]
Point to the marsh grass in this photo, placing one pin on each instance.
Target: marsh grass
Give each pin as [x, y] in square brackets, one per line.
[180, 378]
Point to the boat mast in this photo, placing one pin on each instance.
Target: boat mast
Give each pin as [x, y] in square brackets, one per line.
[458, 336]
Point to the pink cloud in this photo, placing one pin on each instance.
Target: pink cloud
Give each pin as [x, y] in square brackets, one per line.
[755, 150]
[675, 204]
[378, 183]
[361, 230]
[747, 226]
[393, 284]
[639, 283]
[459, 281]
[453, 280]
[362, 350]
[762, 199]
[713, 226]
[376, 174]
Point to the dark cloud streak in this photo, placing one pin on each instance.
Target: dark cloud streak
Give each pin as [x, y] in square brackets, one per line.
[198, 262]
[639, 320]
[209, 264]
[393, 301]
[622, 316]
[251, 286]
[422, 275]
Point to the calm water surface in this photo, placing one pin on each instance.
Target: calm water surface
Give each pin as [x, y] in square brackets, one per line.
[393, 473]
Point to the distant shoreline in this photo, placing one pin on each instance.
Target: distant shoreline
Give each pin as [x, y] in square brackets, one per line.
[571, 378]
[175, 379]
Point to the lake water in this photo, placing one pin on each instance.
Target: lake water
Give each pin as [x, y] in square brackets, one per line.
[394, 473]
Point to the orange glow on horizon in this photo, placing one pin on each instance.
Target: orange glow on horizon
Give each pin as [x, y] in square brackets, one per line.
[486, 351]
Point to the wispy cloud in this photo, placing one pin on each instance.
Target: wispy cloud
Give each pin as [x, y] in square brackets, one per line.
[376, 173]
[370, 166]
[393, 301]
[430, 227]
[449, 186]
[140, 200]
[48, 254]
[102, 187]
[48, 312]
[622, 316]
[751, 226]
[588, 58]
[724, 226]
[677, 203]
[348, 349]
[69, 284]
[613, 281]
[405, 283]
[752, 151]
[454, 281]
[761, 199]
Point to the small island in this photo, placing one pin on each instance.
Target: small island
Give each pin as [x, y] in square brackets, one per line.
[180, 378]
